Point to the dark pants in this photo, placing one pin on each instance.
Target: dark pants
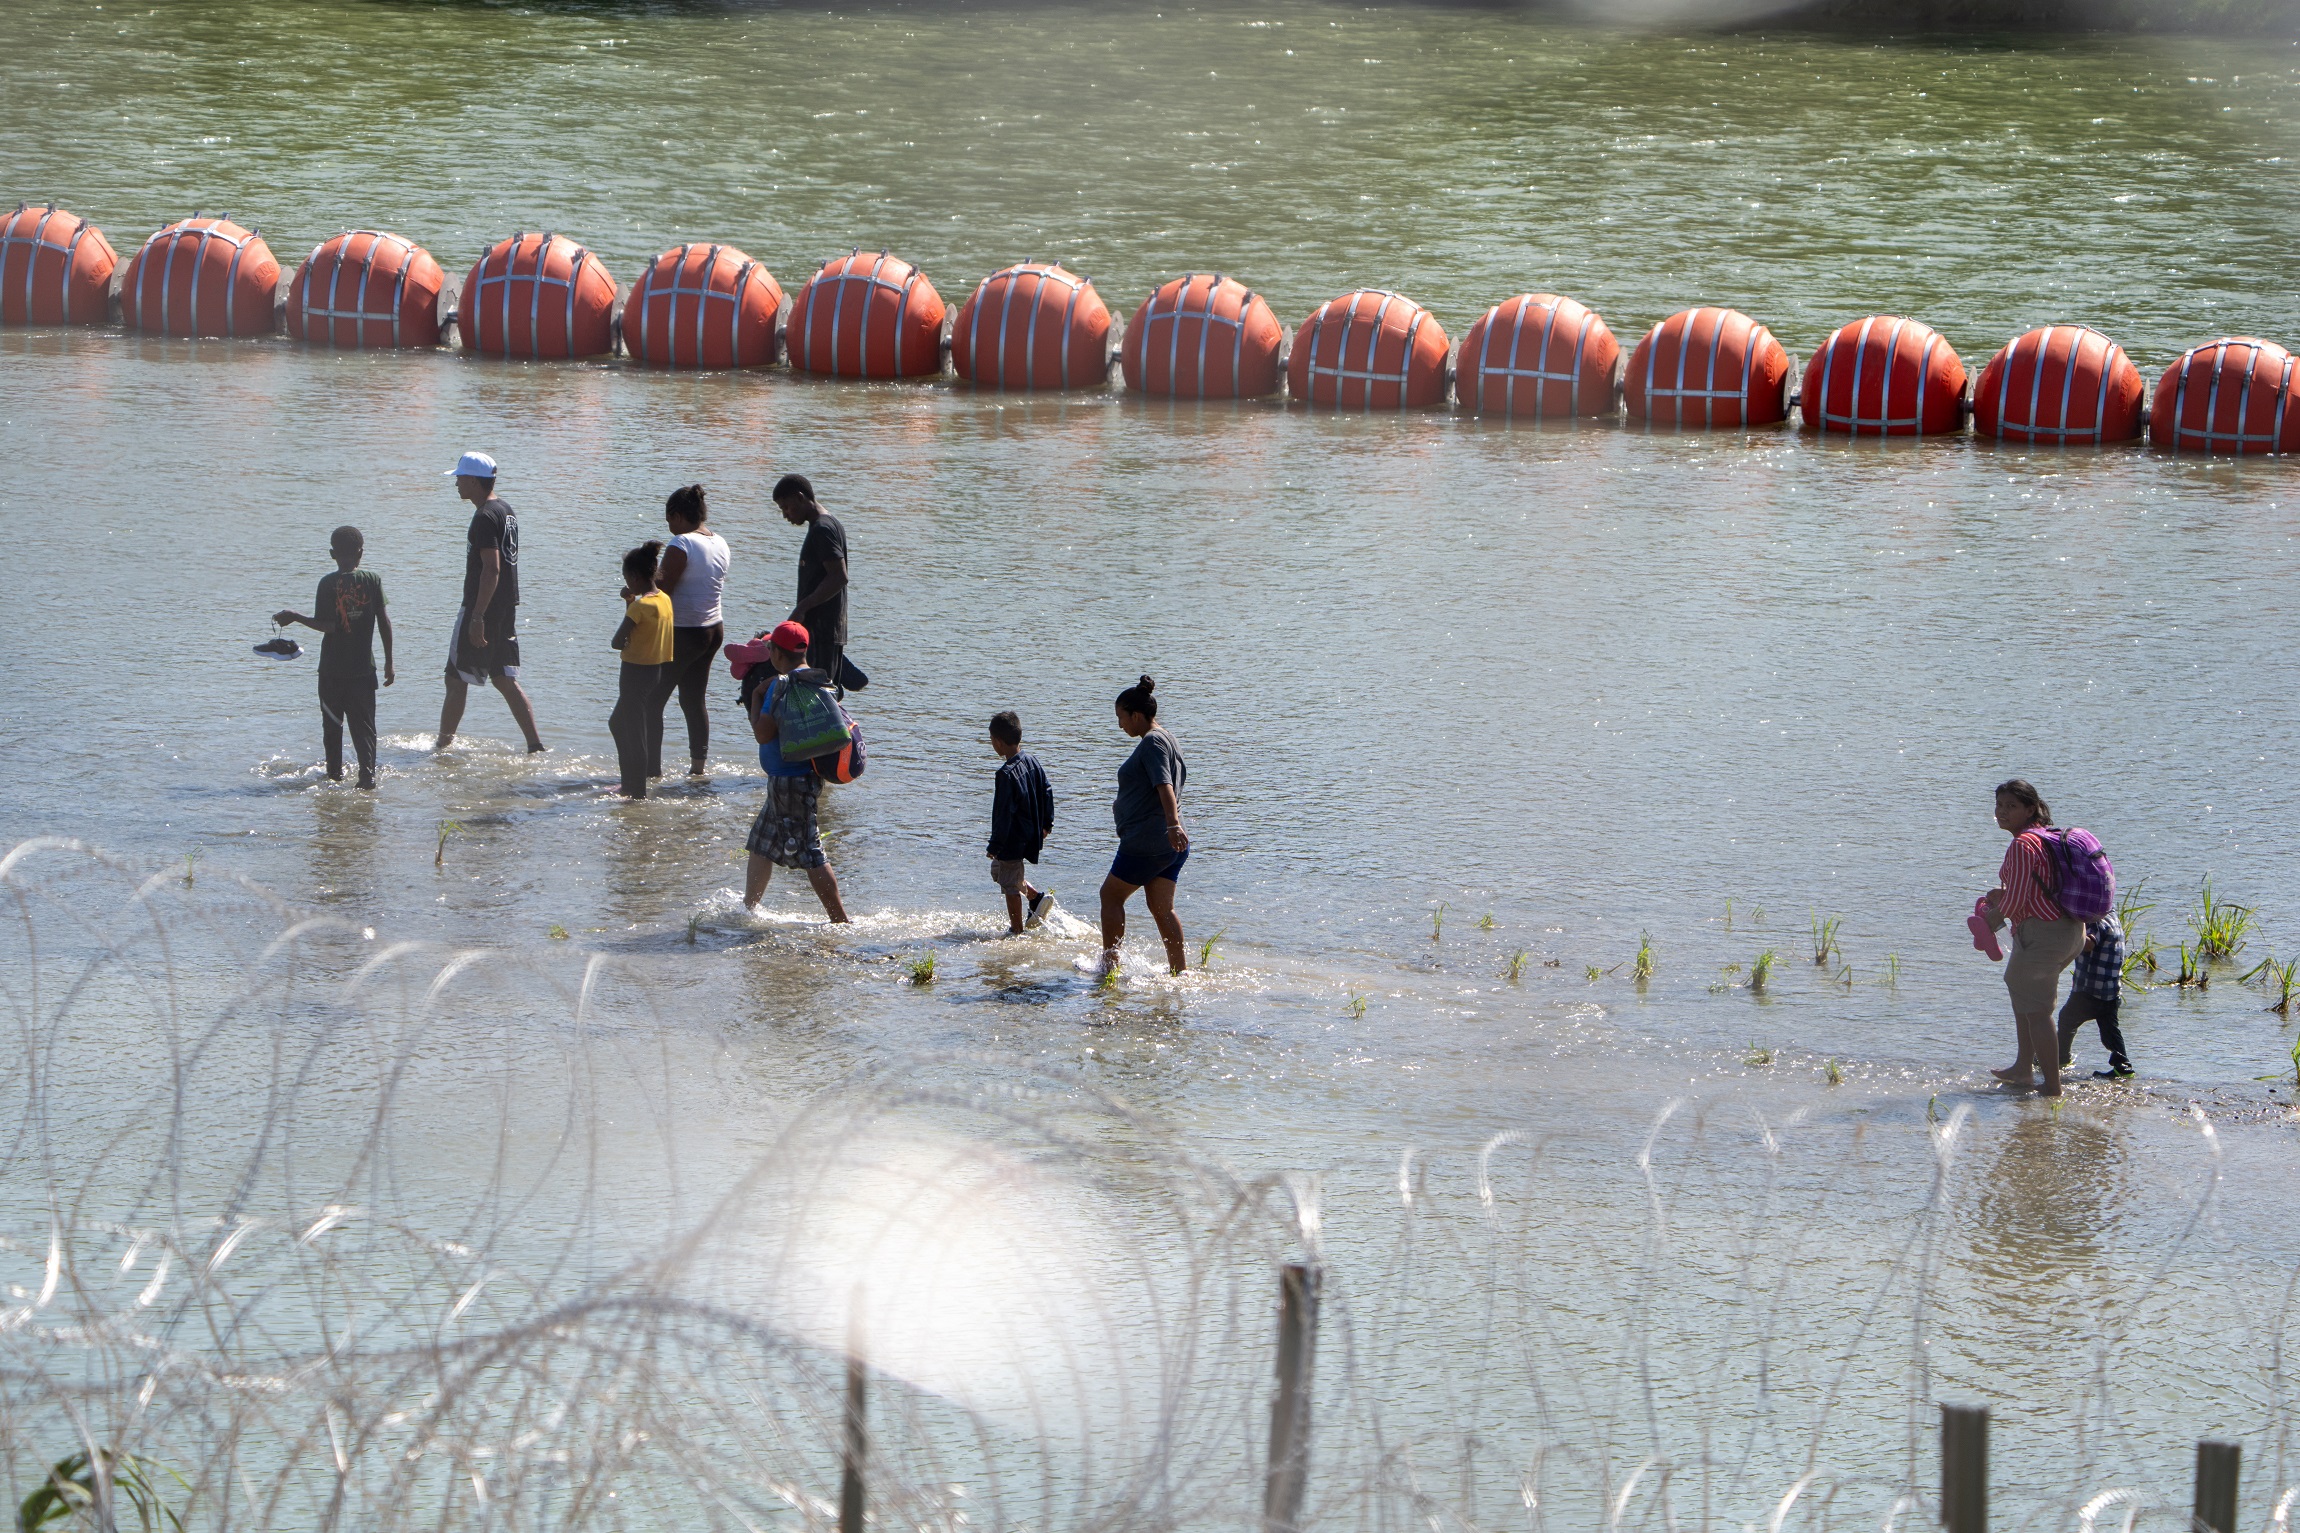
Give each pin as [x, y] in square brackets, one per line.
[2081, 1009]
[348, 700]
[694, 651]
[823, 654]
[637, 724]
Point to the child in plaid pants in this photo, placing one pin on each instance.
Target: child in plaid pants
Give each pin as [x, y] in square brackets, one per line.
[2095, 988]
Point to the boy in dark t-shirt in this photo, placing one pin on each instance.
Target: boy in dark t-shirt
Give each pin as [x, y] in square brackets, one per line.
[348, 612]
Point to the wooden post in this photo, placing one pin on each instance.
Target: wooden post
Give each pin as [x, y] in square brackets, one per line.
[1965, 1468]
[1290, 1407]
[854, 1451]
[2217, 1465]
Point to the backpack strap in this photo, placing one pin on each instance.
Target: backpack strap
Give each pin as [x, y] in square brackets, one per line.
[2050, 843]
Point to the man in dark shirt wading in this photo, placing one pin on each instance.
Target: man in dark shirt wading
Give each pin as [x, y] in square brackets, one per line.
[822, 607]
[485, 646]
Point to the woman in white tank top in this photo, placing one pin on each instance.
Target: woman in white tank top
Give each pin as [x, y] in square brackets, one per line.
[694, 572]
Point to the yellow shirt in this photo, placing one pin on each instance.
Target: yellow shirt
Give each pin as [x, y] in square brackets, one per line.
[651, 637]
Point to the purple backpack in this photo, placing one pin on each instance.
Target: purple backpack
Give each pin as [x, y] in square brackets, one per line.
[2084, 882]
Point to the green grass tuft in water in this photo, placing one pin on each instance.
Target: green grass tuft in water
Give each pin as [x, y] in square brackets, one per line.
[1356, 1006]
[1516, 969]
[1835, 1071]
[1485, 923]
[557, 933]
[1761, 970]
[2220, 926]
[1825, 939]
[73, 1494]
[446, 828]
[2280, 979]
[922, 969]
[1437, 922]
[1757, 1057]
[1206, 948]
[1641, 967]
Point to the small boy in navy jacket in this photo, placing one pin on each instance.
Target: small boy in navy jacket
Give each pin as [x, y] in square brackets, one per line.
[1021, 815]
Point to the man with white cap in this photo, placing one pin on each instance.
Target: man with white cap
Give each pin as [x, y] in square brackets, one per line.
[485, 646]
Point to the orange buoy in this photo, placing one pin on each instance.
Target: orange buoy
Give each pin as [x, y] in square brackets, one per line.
[1032, 326]
[1538, 356]
[202, 276]
[366, 289]
[2236, 395]
[2064, 383]
[1708, 367]
[55, 268]
[1203, 336]
[867, 316]
[703, 306]
[1369, 350]
[538, 295]
[1884, 376]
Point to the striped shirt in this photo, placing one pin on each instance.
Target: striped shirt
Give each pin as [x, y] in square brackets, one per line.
[2023, 880]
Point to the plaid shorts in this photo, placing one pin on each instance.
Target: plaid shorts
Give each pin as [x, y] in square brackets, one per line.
[784, 832]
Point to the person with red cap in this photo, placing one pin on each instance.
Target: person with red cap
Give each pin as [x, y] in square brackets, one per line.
[785, 830]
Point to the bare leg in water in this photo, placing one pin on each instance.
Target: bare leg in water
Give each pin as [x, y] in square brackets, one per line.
[2039, 1049]
[825, 882]
[1158, 894]
[451, 711]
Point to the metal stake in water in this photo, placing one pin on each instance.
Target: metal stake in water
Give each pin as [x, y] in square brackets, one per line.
[855, 1449]
[1965, 1468]
[1290, 1409]
[2217, 1467]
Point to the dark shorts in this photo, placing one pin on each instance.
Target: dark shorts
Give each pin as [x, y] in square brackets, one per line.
[474, 665]
[785, 831]
[1139, 868]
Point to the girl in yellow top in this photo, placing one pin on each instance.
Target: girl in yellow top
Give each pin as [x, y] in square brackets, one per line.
[646, 639]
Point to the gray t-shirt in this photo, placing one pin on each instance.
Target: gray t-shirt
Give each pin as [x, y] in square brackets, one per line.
[1141, 818]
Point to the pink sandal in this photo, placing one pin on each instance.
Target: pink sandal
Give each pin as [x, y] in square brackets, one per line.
[1984, 935]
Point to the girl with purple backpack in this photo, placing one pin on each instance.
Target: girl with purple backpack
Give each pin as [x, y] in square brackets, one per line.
[2046, 872]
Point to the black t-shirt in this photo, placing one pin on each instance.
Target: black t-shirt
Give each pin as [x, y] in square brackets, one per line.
[826, 541]
[494, 525]
[348, 605]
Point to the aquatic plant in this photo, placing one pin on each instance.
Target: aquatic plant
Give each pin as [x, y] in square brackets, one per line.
[2280, 979]
[2130, 907]
[74, 1491]
[446, 828]
[191, 866]
[1593, 973]
[2192, 971]
[1641, 967]
[1757, 916]
[1845, 976]
[557, 933]
[1892, 971]
[1825, 939]
[1516, 969]
[1761, 970]
[1108, 983]
[1835, 1071]
[694, 927]
[1356, 1006]
[1206, 948]
[922, 968]
[1726, 978]
[1756, 1056]
[1728, 912]
[1437, 922]
[2220, 926]
[2140, 959]
[1485, 923]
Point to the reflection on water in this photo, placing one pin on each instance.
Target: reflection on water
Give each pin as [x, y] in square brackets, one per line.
[396, 1236]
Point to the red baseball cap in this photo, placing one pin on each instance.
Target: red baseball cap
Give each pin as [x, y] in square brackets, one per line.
[791, 636]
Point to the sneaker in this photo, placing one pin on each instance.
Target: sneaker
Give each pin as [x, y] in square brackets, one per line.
[1040, 905]
[283, 647]
[2115, 1072]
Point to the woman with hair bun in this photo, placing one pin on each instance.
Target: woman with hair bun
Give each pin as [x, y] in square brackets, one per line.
[1152, 845]
[694, 573]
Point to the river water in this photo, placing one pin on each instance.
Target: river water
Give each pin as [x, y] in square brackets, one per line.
[1450, 693]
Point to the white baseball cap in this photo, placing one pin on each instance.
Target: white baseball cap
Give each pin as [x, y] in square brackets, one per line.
[474, 465]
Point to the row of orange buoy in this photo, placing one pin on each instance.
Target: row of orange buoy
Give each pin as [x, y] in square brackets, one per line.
[1204, 336]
